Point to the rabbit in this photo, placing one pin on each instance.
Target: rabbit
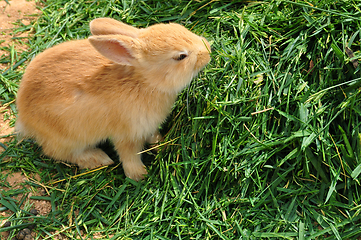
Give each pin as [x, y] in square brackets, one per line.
[119, 84]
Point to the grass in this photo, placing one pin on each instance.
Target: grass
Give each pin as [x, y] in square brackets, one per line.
[264, 144]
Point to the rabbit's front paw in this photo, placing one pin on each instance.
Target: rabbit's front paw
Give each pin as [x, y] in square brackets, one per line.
[135, 170]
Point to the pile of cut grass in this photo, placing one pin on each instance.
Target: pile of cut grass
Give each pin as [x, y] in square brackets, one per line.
[265, 143]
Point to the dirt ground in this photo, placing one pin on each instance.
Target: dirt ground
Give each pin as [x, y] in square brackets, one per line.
[15, 12]
[17, 181]
[23, 11]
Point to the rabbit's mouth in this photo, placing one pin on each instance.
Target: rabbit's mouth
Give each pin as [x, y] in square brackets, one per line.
[202, 60]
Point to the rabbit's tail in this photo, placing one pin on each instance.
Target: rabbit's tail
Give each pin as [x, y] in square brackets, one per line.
[20, 130]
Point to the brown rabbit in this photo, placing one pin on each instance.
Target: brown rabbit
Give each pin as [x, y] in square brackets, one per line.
[119, 83]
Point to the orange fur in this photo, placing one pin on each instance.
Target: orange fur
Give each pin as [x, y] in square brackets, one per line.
[120, 84]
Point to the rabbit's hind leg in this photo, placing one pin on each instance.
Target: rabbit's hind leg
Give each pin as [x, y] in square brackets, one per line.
[91, 158]
[84, 157]
[65, 149]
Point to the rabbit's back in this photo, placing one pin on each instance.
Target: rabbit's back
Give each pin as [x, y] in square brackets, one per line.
[71, 90]
[57, 70]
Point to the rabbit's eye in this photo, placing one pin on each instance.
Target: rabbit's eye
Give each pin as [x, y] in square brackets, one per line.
[181, 56]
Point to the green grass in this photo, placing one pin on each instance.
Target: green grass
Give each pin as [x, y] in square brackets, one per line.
[264, 144]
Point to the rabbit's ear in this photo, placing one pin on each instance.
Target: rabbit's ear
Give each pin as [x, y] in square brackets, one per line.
[119, 49]
[109, 26]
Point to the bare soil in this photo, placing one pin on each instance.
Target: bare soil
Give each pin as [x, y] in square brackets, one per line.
[16, 12]
[18, 181]
[19, 11]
